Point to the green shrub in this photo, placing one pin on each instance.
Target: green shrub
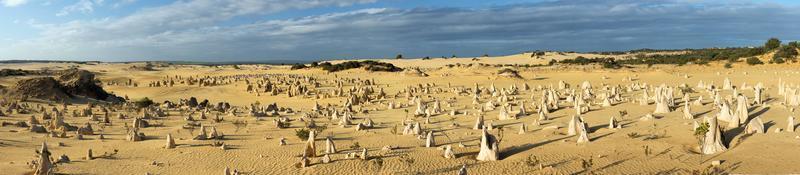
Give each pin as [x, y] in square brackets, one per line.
[777, 60]
[728, 66]
[609, 63]
[794, 44]
[772, 43]
[298, 66]
[753, 61]
[302, 133]
[367, 65]
[695, 55]
[701, 129]
[507, 70]
[552, 62]
[786, 53]
[143, 102]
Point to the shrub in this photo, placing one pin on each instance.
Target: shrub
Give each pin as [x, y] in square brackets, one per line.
[699, 56]
[786, 52]
[302, 133]
[753, 61]
[355, 145]
[777, 60]
[552, 62]
[632, 135]
[772, 43]
[287, 125]
[368, 65]
[609, 63]
[728, 66]
[794, 44]
[399, 56]
[298, 66]
[702, 129]
[143, 102]
[509, 70]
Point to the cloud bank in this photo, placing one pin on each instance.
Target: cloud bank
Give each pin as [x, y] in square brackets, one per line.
[198, 30]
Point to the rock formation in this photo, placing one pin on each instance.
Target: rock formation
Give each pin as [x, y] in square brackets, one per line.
[712, 142]
[489, 147]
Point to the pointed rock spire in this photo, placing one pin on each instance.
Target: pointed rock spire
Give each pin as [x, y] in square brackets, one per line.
[170, 142]
[478, 123]
[330, 147]
[755, 126]
[311, 147]
[448, 152]
[44, 166]
[489, 150]
[712, 142]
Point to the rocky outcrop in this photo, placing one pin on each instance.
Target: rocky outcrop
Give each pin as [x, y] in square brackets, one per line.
[69, 84]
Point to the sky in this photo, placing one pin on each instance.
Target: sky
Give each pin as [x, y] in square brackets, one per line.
[304, 30]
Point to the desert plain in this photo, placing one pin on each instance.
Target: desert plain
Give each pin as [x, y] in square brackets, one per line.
[436, 116]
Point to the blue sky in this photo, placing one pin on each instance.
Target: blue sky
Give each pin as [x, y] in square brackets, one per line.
[257, 30]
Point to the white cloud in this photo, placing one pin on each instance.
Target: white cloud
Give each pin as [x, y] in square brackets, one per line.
[83, 6]
[13, 3]
[123, 3]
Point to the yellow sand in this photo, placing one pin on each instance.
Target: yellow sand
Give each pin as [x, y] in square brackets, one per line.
[255, 148]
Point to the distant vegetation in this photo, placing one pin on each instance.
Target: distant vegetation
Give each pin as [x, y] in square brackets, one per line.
[580, 60]
[507, 70]
[147, 67]
[299, 66]
[703, 56]
[497, 65]
[783, 53]
[700, 56]
[368, 65]
[14, 72]
[538, 53]
[772, 43]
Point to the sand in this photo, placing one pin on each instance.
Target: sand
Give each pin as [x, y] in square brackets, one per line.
[664, 145]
